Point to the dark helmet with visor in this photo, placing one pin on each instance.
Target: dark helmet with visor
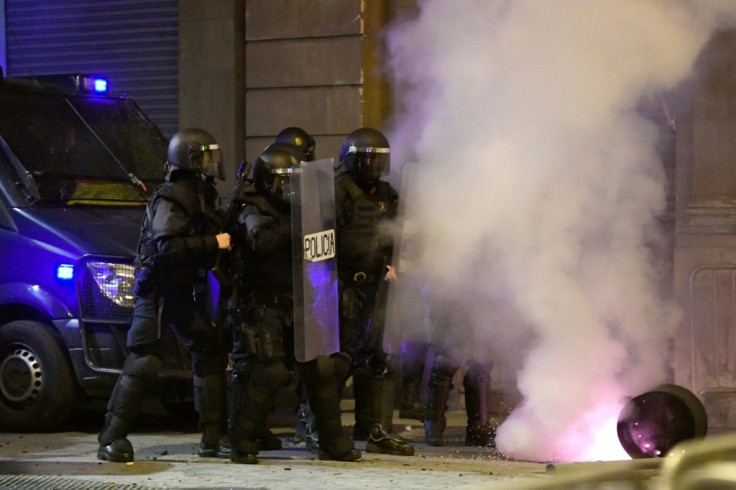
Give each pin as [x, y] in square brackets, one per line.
[272, 172]
[366, 155]
[295, 150]
[297, 136]
[195, 150]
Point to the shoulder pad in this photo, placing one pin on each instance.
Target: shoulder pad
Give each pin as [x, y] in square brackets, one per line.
[180, 195]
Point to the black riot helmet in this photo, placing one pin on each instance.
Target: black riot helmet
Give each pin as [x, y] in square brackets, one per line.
[195, 150]
[299, 137]
[295, 150]
[272, 173]
[366, 155]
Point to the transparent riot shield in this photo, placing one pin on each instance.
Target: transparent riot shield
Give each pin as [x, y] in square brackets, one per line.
[316, 317]
[405, 308]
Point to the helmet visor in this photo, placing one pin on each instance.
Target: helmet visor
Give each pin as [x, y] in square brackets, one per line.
[281, 187]
[378, 158]
[212, 161]
[372, 166]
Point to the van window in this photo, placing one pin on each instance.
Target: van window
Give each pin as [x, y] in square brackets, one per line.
[83, 150]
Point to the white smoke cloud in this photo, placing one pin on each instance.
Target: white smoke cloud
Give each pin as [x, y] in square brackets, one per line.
[539, 187]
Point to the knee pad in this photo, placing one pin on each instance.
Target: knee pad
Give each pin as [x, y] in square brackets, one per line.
[325, 368]
[270, 346]
[276, 375]
[478, 372]
[143, 367]
[445, 365]
[342, 363]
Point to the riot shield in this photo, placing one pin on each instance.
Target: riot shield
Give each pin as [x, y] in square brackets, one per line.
[405, 306]
[316, 317]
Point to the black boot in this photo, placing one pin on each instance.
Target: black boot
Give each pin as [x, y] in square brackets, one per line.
[381, 442]
[411, 405]
[380, 414]
[322, 388]
[241, 450]
[118, 451]
[341, 363]
[412, 372]
[268, 441]
[224, 447]
[477, 383]
[250, 405]
[209, 400]
[361, 385]
[434, 418]
[214, 443]
[244, 452]
[122, 410]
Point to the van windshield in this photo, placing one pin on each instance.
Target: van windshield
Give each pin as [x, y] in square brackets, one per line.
[83, 150]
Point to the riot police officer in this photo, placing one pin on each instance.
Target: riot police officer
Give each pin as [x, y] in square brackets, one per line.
[448, 321]
[297, 136]
[263, 320]
[179, 242]
[302, 145]
[363, 204]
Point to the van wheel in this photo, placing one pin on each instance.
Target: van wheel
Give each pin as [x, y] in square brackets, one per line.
[36, 385]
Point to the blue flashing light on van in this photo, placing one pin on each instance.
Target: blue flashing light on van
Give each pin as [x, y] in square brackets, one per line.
[99, 85]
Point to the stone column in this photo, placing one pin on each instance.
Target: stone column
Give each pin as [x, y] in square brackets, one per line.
[211, 75]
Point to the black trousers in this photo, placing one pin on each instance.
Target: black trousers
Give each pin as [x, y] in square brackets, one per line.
[175, 307]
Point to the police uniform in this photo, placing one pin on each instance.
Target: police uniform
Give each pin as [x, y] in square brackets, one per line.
[178, 245]
[363, 205]
[262, 314]
[177, 249]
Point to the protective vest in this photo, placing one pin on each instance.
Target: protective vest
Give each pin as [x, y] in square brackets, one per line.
[197, 200]
[363, 213]
[270, 270]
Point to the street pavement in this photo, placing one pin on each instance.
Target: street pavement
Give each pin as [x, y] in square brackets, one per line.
[166, 458]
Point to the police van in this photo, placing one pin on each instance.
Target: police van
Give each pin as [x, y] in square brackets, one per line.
[76, 170]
